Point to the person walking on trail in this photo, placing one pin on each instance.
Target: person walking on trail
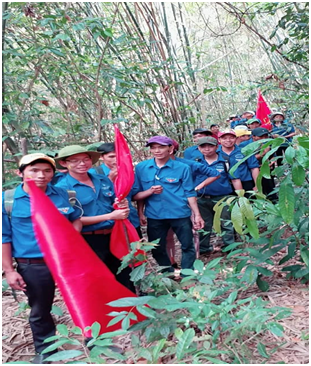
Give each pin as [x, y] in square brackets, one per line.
[192, 152]
[18, 241]
[248, 171]
[96, 195]
[109, 169]
[214, 192]
[167, 187]
[281, 128]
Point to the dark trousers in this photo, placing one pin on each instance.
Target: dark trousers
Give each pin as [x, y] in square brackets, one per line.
[100, 244]
[280, 154]
[268, 186]
[40, 291]
[158, 229]
[248, 185]
[206, 206]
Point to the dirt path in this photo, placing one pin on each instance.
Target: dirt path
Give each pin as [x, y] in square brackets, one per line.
[17, 340]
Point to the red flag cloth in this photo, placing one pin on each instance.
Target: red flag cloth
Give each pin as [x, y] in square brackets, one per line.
[263, 112]
[123, 232]
[84, 281]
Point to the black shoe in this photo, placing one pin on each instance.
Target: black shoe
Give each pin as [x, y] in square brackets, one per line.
[39, 359]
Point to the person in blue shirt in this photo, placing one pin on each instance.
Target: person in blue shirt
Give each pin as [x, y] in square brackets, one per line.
[248, 171]
[192, 152]
[281, 128]
[214, 192]
[109, 169]
[243, 135]
[167, 187]
[96, 195]
[18, 240]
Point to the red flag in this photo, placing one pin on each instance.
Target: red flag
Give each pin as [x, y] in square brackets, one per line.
[263, 112]
[123, 232]
[84, 281]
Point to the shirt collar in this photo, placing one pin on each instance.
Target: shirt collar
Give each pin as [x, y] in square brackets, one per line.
[169, 163]
[19, 193]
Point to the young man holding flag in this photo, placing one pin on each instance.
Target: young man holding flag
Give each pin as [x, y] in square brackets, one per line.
[19, 241]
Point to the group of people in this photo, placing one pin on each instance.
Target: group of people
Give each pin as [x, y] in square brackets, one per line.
[173, 195]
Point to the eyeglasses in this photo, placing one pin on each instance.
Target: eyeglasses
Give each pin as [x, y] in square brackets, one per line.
[78, 161]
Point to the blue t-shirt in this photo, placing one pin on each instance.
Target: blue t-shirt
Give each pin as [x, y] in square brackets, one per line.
[192, 153]
[177, 183]
[283, 130]
[19, 229]
[198, 169]
[245, 143]
[222, 186]
[94, 202]
[243, 172]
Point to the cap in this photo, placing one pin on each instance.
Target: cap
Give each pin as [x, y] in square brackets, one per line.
[30, 158]
[240, 127]
[240, 133]
[227, 132]
[161, 140]
[203, 131]
[233, 116]
[260, 131]
[253, 120]
[207, 140]
[272, 115]
[176, 145]
[249, 112]
[67, 151]
[106, 147]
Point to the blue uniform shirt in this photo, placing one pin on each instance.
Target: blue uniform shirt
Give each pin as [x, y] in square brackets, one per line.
[177, 183]
[283, 130]
[222, 186]
[198, 169]
[94, 203]
[193, 153]
[245, 143]
[19, 229]
[106, 170]
[243, 172]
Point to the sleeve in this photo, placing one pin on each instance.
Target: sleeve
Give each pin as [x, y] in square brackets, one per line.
[187, 182]
[208, 172]
[6, 225]
[137, 183]
[252, 162]
[187, 153]
[135, 188]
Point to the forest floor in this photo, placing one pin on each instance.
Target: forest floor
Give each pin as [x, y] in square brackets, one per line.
[17, 341]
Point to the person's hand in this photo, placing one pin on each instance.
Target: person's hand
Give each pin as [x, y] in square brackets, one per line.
[120, 214]
[122, 204]
[198, 222]
[156, 189]
[143, 220]
[15, 280]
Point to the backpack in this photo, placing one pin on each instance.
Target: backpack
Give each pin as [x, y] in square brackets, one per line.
[9, 200]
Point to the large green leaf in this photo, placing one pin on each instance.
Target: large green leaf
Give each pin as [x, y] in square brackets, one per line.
[184, 342]
[64, 355]
[216, 221]
[246, 208]
[298, 174]
[237, 218]
[262, 350]
[130, 301]
[287, 201]
[252, 228]
[138, 273]
[290, 153]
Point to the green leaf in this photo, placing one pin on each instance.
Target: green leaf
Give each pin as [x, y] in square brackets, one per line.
[263, 285]
[216, 361]
[287, 201]
[250, 275]
[264, 271]
[116, 320]
[95, 328]
[252, 228]
[62, 329]
[216, 221]
[157, 349]
[184, 342]
[246, 208]
[302, 272]
[61, 36]
[64, 355]
[276, 328]
[265, 170]
[213, 263]
[138, 273]
[237, 218]
[262, 350]
[232, 297]
[57, 310]
[144, 310]
[130, 301]
[290, 153]
[304, 252]
[125, 323]
[298, 174]
[198, 265]
[108, 32]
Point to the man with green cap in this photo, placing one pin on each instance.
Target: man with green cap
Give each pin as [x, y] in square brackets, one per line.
[96, 195]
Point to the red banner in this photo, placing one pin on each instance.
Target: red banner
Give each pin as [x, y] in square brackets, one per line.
[84, 281]
[263, 112]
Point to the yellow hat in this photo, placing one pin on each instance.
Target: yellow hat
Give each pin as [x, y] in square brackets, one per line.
[240, 133]
[29, 158]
